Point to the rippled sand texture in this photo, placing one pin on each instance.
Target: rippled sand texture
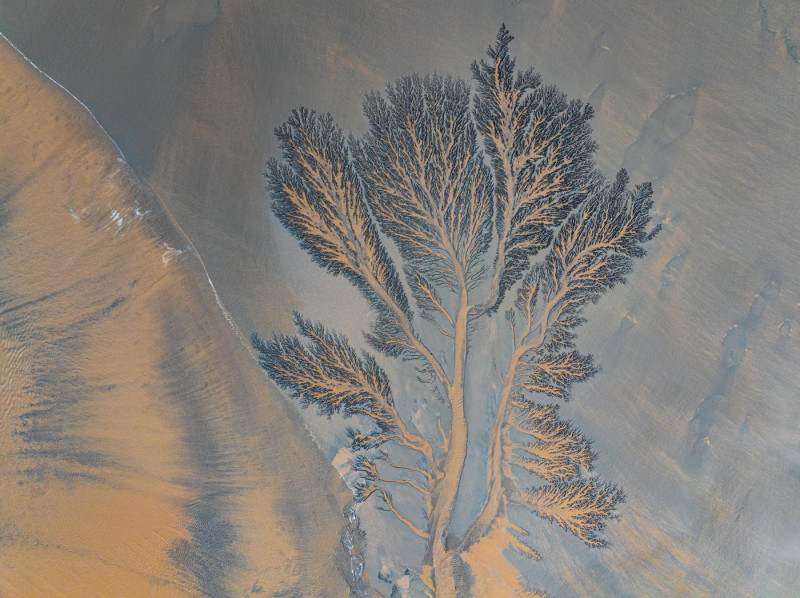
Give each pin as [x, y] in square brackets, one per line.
[141, 450]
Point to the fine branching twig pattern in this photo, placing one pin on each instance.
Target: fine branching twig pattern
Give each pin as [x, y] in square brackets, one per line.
[491, 198]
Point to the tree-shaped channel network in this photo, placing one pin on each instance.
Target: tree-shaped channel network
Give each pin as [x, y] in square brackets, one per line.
[491, 198]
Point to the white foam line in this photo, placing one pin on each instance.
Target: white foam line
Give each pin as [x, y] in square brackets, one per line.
[174, 222]
[67, 91]
[169, 214]
[225, 313]
[217, 298]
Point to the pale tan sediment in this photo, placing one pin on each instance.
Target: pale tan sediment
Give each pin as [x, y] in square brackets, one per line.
[128, 403]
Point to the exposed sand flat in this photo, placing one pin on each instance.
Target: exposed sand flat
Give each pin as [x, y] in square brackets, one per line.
[142, 452]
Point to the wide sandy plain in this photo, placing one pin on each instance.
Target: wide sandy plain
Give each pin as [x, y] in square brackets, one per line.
[142, 452]
[696, 411]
